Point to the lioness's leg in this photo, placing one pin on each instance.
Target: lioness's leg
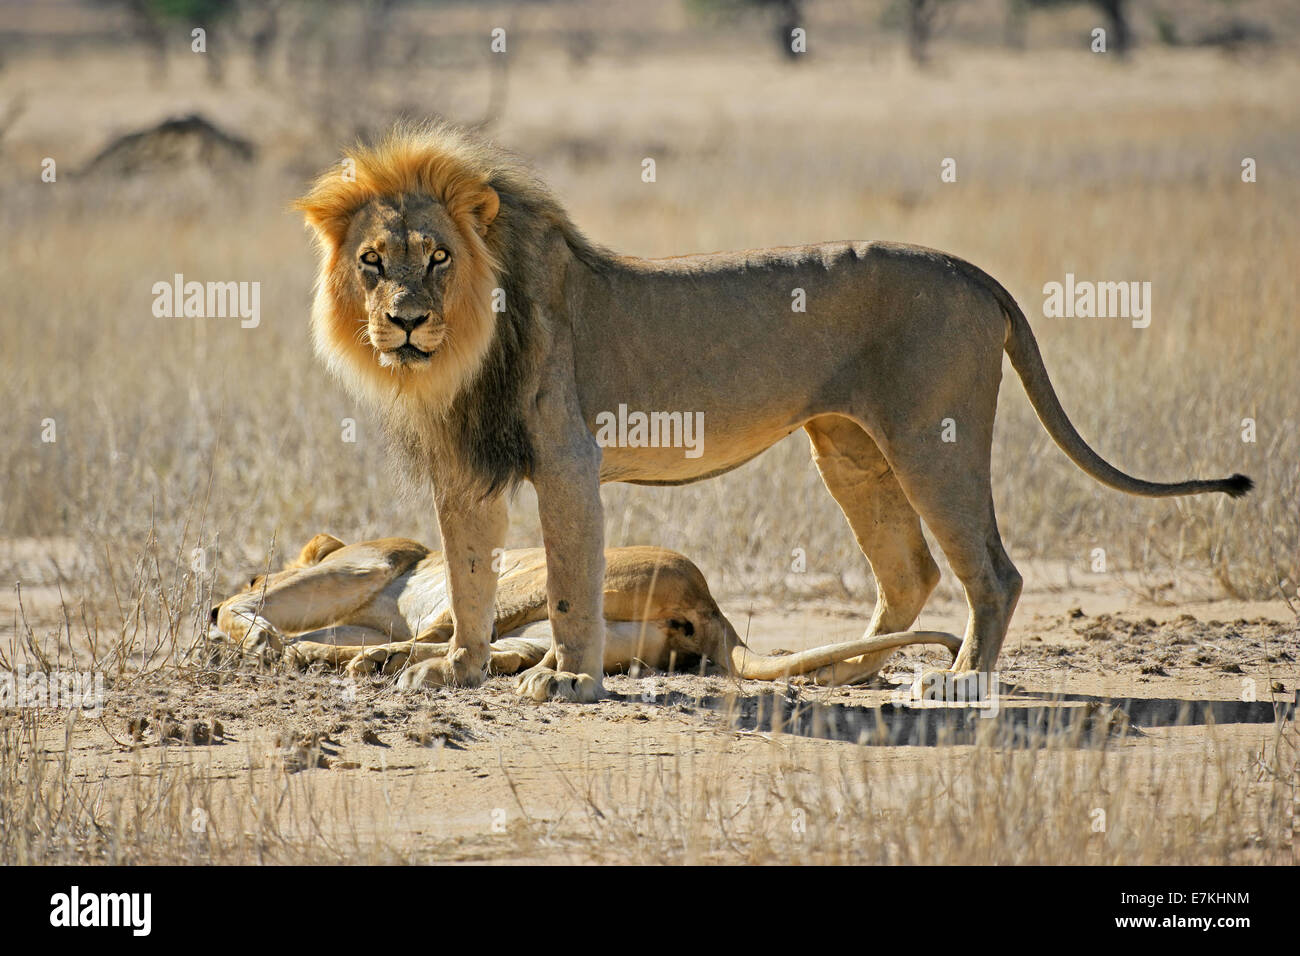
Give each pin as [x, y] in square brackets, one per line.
[332, 646]
[886, 527]
[949, 485]
[415, 660]
[510, 655]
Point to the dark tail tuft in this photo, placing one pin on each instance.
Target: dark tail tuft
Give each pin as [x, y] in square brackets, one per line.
[1237, 485]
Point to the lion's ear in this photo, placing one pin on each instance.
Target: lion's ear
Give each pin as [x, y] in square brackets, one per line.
[317, 549]
[328, 209]
[485, 209]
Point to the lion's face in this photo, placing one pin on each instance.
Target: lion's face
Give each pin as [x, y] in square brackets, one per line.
[404, 256]
[404, 296]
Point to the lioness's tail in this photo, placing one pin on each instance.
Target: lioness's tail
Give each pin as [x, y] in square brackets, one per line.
[1022, 349]
[726, 648]
[750, 665]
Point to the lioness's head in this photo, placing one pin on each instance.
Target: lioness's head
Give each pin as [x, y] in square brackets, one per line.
[313, 552]
[403, 296]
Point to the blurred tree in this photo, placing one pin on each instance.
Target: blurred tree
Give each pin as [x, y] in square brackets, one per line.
[151, 19]
[1119, 35]
[147, 27]
[376, 20]
[920, 28]
[920, 22]
[789, 15]
[259, 24]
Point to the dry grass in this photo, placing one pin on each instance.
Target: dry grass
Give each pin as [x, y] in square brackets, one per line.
[209, 435]
[1064, 802]
[986, 804]
[180, 434]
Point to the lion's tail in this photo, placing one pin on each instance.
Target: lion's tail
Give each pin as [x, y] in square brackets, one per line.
[1022, 349]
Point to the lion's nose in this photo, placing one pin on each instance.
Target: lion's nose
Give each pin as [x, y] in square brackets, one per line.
[408, 323]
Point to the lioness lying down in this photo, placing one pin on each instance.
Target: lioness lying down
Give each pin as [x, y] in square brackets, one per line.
[383, 606]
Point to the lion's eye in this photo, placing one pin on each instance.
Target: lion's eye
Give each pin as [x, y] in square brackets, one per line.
[371, 258]
[439, 256]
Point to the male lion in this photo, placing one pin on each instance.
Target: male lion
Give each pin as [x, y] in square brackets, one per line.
[455, 294]
[382, 605]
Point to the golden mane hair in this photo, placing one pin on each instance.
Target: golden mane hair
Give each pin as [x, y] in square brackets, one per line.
[437, 160]
[463, 411]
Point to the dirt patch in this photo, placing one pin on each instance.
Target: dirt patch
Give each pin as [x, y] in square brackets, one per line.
[360, 771]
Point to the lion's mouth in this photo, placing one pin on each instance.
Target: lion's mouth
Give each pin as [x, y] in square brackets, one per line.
[407, 354]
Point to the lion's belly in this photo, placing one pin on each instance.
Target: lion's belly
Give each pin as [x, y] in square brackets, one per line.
[669, 464]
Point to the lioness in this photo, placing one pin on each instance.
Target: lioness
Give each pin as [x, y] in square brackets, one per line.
[455, 294]
[383, 605]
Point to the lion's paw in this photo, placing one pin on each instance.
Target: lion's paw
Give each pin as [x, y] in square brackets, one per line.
[543, 684]
[458, 669]
[953, 686]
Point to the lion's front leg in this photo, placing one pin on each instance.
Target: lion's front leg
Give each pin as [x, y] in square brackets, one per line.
[471, 532]
[568, 496]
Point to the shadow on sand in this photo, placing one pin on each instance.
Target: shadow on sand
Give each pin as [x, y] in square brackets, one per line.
[1024, 718]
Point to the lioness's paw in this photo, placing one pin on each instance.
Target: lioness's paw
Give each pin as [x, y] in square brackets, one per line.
[217, 650]
[543, 684]
[299, 657]
[263, 645]
[383, 659]
[424, 674]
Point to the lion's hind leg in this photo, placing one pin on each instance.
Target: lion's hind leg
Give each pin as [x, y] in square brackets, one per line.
[887, 529]
[950, 486]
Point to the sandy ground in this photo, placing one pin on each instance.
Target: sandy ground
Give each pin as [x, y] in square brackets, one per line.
[1067, 162]
[456, 772]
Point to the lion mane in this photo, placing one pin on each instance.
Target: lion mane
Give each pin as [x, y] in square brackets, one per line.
[460, 417]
